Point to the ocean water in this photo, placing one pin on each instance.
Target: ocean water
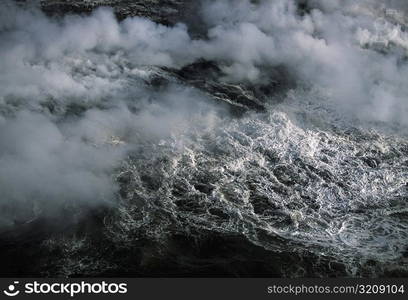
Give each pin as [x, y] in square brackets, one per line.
[113, 163]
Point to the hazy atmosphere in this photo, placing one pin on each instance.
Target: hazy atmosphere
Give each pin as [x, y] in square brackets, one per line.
[234, 138]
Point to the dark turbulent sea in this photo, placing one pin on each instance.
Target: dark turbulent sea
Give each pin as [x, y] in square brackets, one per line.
[265, 140]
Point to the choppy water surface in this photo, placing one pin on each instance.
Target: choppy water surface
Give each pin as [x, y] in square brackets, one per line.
[295, 181]
[153, 171]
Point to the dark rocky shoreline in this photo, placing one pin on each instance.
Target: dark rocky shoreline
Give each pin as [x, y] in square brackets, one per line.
[166, 12]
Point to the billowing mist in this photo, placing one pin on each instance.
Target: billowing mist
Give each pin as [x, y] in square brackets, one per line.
[86, 100]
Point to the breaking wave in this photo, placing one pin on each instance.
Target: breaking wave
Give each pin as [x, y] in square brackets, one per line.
[164, 154]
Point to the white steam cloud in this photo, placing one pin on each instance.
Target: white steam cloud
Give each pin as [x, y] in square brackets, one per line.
[354, 49]
[73, 100]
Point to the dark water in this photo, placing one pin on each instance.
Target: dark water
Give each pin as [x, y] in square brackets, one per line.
[208, 177]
